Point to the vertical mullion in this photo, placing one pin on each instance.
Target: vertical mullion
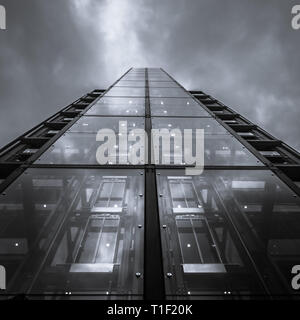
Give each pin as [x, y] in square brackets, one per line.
[154, 286]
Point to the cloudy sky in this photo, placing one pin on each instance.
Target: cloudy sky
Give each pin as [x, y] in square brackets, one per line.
[245, 53]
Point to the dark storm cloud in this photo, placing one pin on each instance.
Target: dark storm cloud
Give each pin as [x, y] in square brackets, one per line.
[243, 52]
[47, 60]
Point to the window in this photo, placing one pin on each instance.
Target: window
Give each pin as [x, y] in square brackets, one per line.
[163, 84]
[75, 230]
[81, 148]
[158, 77]
[209, 125]
[202, 215]
[168, 92]
[125, 92]
[200, 246]
[118, 106]
[166, 107]
[124, 83]
[94, 124]
[134, 77]
[220, 148]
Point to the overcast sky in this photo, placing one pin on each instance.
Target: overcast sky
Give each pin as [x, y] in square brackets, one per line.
[245, 53]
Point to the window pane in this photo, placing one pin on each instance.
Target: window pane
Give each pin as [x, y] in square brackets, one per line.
[79, 145]
[136, 72]
[94, 124]
[81, 148]
[126, 92]
[226, 150]
[219, 148]
[176, 107]
[130, 84]
[203, 215]
[210, 125]
[118, 106]
[70, 230]
[200, 246]
[154, 69]
[158, 77]
[135, 77]
[163, 84]
[168, 92]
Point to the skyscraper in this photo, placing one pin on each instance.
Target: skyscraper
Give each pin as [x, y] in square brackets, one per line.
[73, 228]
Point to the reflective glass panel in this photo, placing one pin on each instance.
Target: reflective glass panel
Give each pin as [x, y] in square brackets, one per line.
[130, 84]
[220, 148]
[136, 74]
[210, 125]
[226, 230]
[158, 77]
[163, 84]
[94, 124]
[126, 92]
[226, 150]
[75, 231]
[118, 106]
[83, 148]
[72, 148]
[138, 77]
[168, 92]
[176, 107]
[142, 71]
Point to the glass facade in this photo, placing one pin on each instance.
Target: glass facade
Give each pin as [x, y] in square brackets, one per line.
[72, 228]
[126, 92]
[117, 106]
[177, 107]
[220, 148]
[163, 84]
[168, 92]
[216, 223]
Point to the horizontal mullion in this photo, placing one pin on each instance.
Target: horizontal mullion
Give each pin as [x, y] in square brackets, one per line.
[129, 166]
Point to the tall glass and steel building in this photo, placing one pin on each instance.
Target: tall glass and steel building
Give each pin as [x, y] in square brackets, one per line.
[71, 228]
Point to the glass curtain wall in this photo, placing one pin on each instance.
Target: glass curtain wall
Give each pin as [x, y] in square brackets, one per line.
[227, 233]
[71, 228]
